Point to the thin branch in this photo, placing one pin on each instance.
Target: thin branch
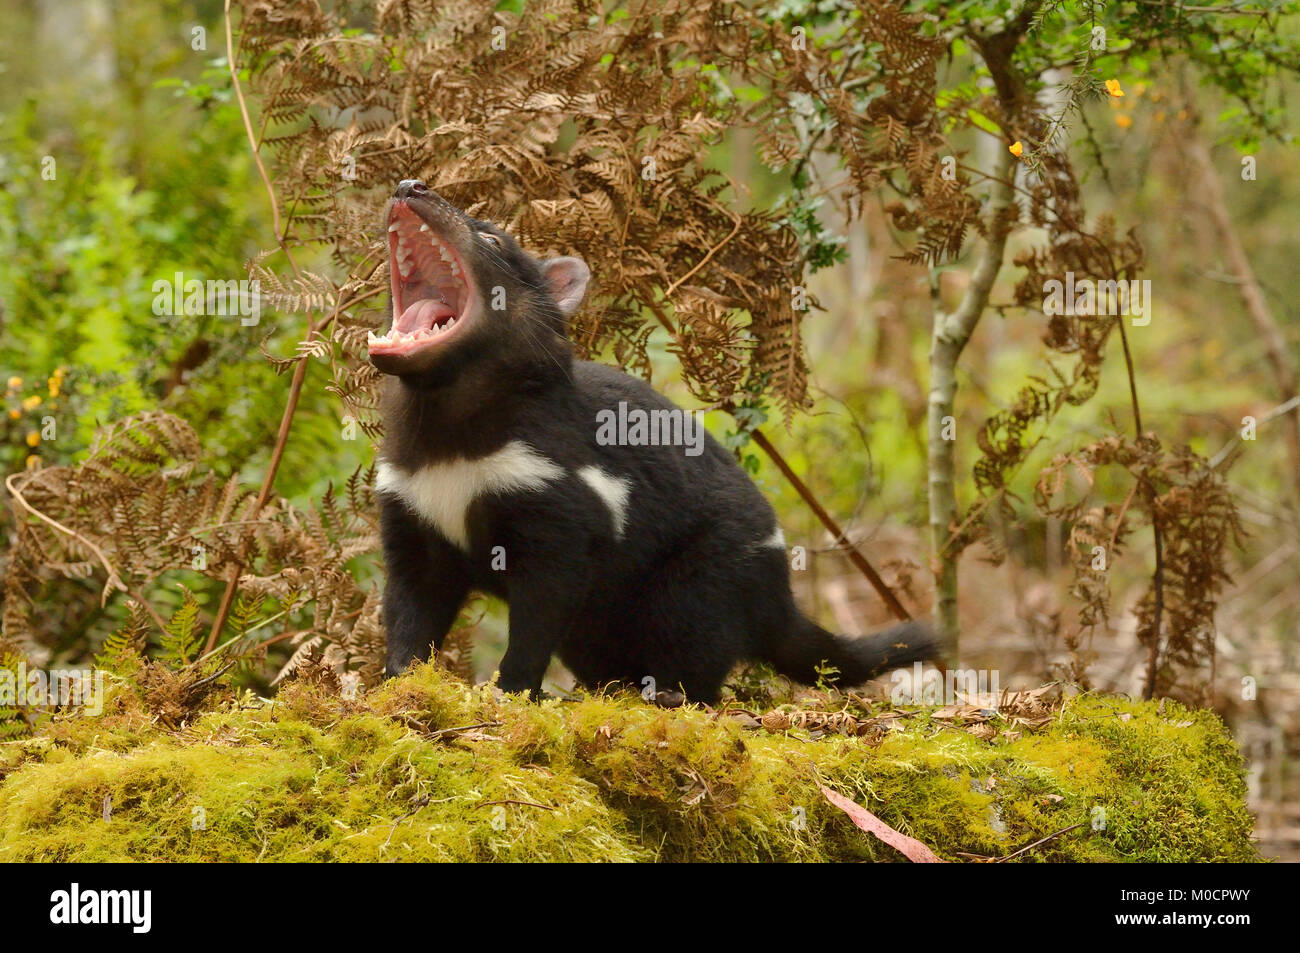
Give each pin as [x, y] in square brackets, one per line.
[841, 539]
[300, 370]
[1278, 411]
[858, 560]
[705, 260]
[1158, 574]
[1039, 842]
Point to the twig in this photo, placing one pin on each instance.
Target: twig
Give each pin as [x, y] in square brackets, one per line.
[450, 731]
[1120, 521]
[417, 726]
[420, 802]
[705, 260]
[1039, 843]
[545, 807]
[1278, 411]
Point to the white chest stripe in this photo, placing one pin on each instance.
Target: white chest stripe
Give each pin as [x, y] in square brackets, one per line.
[442, 492]
[613, 491]
[775, 541]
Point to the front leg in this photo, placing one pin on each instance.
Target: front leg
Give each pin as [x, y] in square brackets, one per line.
[546, 601]
[426, 584]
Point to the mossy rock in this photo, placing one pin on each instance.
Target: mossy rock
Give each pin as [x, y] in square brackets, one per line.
[427, 768]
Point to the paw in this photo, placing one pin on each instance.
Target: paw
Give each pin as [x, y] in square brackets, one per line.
[669, 699]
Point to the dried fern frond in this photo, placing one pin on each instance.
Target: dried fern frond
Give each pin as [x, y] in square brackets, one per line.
[140, 507]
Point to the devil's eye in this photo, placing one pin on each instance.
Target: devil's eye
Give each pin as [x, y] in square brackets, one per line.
[490, 239]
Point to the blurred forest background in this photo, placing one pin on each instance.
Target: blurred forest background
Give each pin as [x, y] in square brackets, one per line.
[153, 174]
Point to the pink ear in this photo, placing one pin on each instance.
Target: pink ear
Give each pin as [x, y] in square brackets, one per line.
[566, 279]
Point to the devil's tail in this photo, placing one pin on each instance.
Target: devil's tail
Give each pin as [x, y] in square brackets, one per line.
[857, 658]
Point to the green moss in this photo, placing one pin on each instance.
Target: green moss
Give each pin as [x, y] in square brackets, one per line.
[427, 768]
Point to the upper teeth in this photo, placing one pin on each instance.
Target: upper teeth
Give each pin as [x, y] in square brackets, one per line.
[405, 254]
[405, 248]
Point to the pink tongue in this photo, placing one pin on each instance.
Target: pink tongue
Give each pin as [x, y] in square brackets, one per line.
[423, 314]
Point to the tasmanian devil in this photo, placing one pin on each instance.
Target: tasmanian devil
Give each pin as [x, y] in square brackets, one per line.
[497, 473]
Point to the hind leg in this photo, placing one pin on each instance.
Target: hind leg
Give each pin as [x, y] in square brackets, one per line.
[683, 631]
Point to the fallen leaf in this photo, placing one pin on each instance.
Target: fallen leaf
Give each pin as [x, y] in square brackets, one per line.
[959, 713]
[909, 847]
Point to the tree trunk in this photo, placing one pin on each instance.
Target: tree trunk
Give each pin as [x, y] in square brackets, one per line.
[950, 335]
[1252, 295]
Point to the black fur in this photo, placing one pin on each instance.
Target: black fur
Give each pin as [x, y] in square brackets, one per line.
[683, 596]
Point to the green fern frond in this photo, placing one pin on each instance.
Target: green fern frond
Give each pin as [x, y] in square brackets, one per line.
[180, 642]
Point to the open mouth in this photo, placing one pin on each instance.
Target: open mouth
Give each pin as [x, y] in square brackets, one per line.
[432, 293]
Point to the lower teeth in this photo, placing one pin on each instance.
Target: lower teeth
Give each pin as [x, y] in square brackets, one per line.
[394, 334]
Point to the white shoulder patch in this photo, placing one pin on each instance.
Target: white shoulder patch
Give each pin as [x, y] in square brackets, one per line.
[441, 493]
[613, 491]
[775, 541]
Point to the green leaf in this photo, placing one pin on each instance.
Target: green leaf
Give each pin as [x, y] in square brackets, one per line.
[977, 118]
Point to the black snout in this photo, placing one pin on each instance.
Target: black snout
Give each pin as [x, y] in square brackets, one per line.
[408, 188]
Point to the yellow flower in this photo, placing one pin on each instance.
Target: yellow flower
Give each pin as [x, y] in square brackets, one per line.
[31, 403]
[1016, 148]
[1123, 121]
[15, 383]
[15, 413]
[1112, 87]
[33, 438]
[32, 461]
[54, 387]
